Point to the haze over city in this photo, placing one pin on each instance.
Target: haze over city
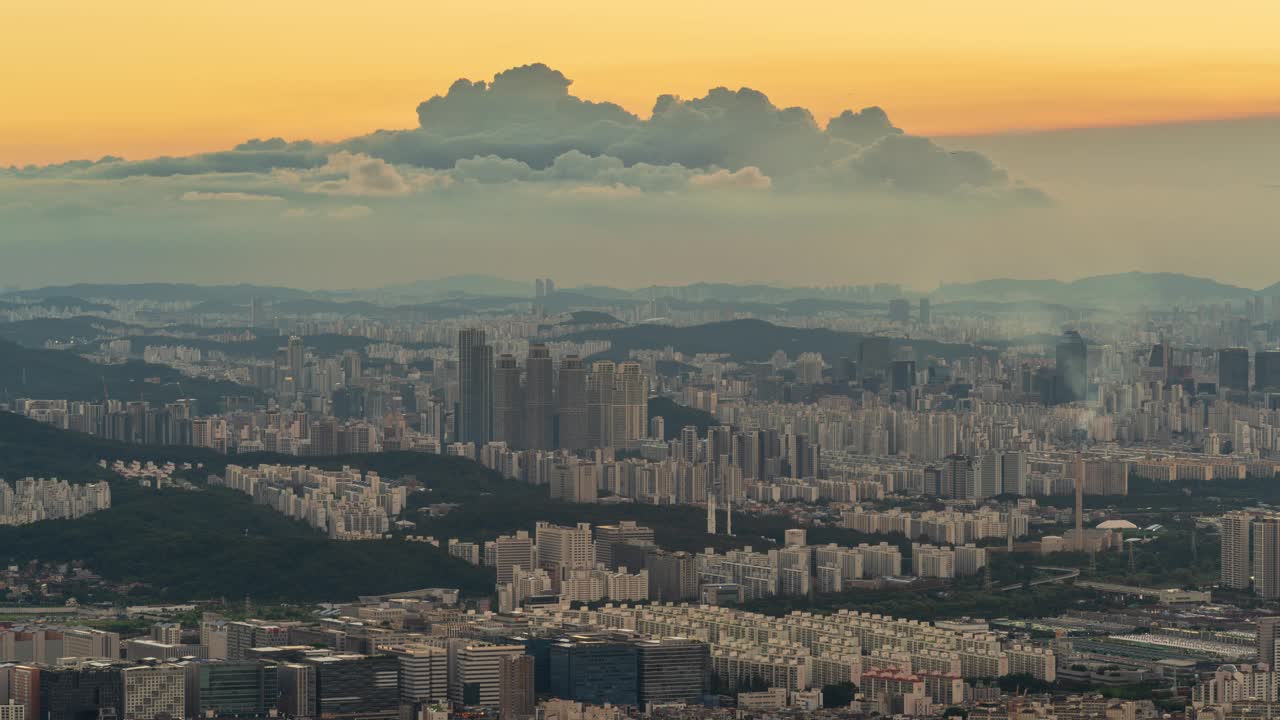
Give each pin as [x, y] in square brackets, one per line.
[687, 361]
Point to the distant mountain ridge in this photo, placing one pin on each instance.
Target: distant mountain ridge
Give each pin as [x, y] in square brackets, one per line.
[444, 295]
[1114, 291]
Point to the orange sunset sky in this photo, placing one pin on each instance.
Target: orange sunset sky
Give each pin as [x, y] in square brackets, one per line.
[138, 78]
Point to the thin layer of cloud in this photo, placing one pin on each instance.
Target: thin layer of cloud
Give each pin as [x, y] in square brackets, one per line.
[748, 178]
[203, 196]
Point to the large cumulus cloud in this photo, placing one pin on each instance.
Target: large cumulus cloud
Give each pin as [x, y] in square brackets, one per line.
[525, 126]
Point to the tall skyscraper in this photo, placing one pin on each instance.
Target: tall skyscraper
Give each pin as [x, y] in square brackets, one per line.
[617, 404]
[1266, 370]
[539, 403]
[1071, 373]
[295, 353]
[902, 376]
[1236, 548]
[1233, 369]
[571, 404]
[1266, 557]
[926, 312]
[631, 414]
[1013, 473]
[257, 315]
[475, 384]
[508, 405]
[873, 356]
[959, 478]
[899, 311]
[1079, 510]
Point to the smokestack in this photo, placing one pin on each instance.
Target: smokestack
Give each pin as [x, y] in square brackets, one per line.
[1079, 471]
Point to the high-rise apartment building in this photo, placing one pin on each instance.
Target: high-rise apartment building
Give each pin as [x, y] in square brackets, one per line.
[575, 481]
[509, 552]
[565, 547]
[475, 386]
[1266, 557]
[295, 354]
[1268, 633]
[617, 396]
[539, 401]
[1237, 570]
[571, 404]
[959, 478]
[508, 402]
[515, 687]
[625, 532]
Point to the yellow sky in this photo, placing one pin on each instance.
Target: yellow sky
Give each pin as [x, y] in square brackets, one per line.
[84, 78]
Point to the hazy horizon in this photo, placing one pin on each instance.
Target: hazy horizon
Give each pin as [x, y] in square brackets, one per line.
[519, 175]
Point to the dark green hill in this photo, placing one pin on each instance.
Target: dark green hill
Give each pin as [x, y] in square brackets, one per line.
[74, 330]
[64, 375]
[216, 542]
[212, 543]
[676, 416]
[756, 340]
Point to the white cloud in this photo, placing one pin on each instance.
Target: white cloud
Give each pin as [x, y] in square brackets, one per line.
[748, 178]
[359, 174]
[202, 196]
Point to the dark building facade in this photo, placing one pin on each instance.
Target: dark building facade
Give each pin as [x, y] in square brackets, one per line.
[1266, 370]
[594, 671]
[1233, 369]
[80, 693]
[475, 385]
[1071, 373]
[357, 686]
[672, 670]
[246, 690]
[902, 375]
